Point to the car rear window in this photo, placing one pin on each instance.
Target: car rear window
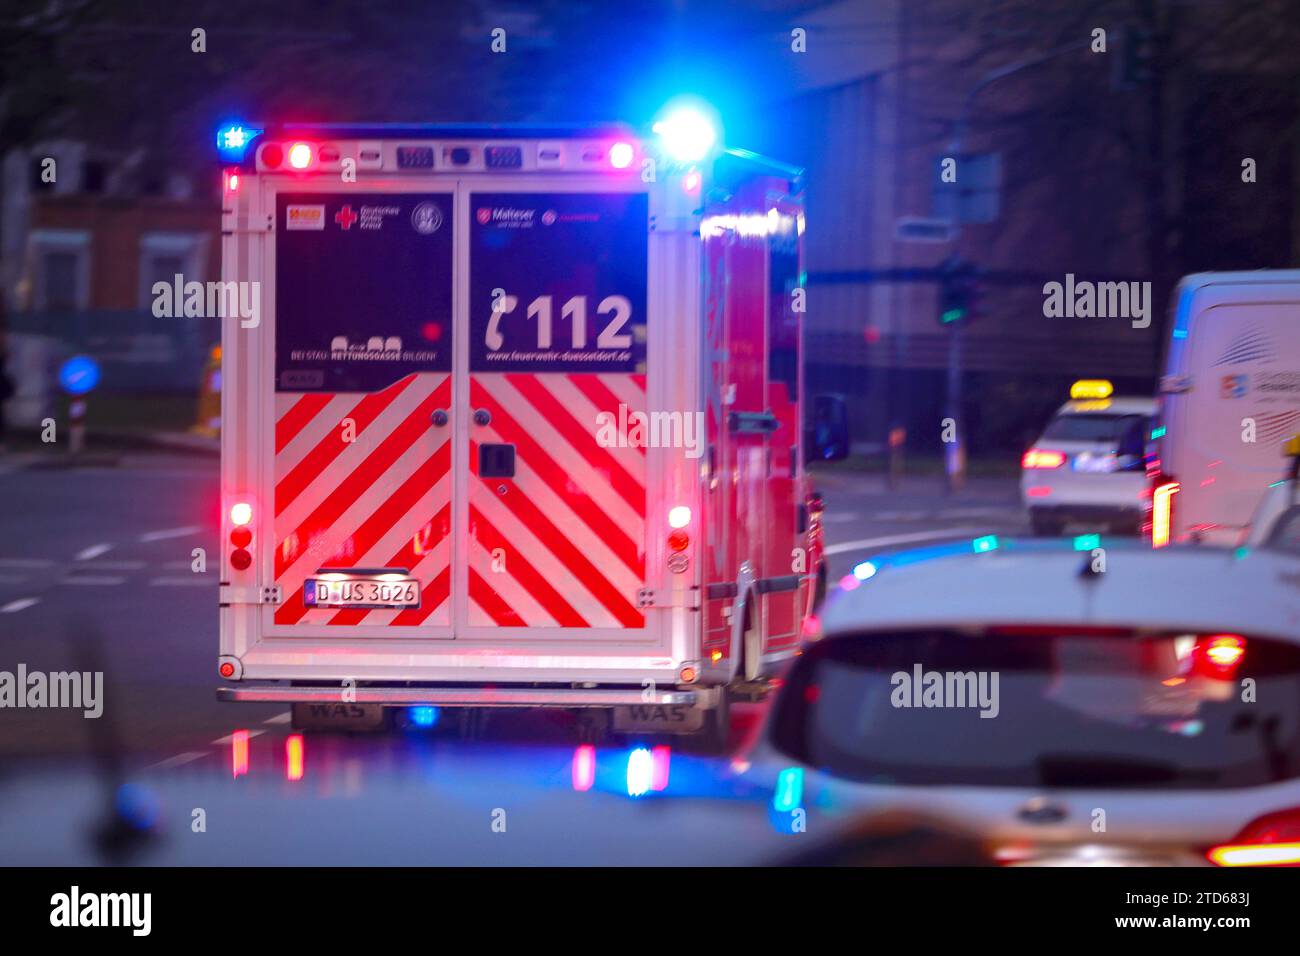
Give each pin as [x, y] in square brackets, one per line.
[1030, 707]
[1093, 427]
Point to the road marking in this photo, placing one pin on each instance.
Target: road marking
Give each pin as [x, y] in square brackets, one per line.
[117, 565]
[166, 533]
[988, 512]
[21, 604]
[179, 760]
[898, 515]
[229, 737]
[838, 517]
[865, 544]
[279, 718]
[94, 580]
[181, 581]
[26, 563]
[94, 551]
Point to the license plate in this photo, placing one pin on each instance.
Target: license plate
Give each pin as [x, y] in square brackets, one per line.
[335, 715]
[658, 718]
[370, 592]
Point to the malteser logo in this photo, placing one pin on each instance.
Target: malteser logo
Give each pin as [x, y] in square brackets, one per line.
[73, 909]
[510, 217]
[484, 215]
[549, 217]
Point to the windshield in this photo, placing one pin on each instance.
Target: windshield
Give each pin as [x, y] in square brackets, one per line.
[1107, 428]
[1020, 707]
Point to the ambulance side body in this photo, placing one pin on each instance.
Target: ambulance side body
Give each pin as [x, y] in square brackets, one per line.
[424, 400]
[1230, 399]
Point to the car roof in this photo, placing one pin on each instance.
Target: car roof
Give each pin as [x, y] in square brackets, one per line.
[1196, 588]
[1108, 406]
[1199, 280]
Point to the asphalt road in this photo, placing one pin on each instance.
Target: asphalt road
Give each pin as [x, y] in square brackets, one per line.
[96, 574]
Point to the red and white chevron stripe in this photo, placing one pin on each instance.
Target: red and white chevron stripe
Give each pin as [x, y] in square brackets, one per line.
[381, 500]
[564, 545]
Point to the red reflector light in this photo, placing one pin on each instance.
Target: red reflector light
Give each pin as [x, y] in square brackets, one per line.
[299, 155]
[678, 540]
[241, 537]
[1162, 513]
[241, 560]
[1042, 458]
[227, 669]
[1270, 840]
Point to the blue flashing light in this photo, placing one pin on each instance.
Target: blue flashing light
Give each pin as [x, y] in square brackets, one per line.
[988, 542]
[865, 571]
[1180, 333]
[1158, 432]
[79, 374]
[234, 139]
[789, 790]
[1086, 542]
[687, 134]
[423, 716]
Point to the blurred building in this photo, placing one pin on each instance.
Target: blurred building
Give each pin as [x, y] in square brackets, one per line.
[85, 233]
[1107, 173]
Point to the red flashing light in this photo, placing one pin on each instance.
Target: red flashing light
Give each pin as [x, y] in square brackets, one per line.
[241, 537]
[584, 767]
[300, 155]
[679, 540]
[620, 155]
[1162, 513]
[241, 560]
[272, 155]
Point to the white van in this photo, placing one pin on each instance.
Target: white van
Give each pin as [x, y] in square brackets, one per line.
[1229, 402]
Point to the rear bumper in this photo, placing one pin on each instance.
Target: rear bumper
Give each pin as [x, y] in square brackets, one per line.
[1089, 511]
[468, 696]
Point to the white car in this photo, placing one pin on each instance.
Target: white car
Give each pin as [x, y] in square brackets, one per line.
[1089, 465]
[1028, 703]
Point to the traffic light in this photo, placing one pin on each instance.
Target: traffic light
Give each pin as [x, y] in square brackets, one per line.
[958, 298]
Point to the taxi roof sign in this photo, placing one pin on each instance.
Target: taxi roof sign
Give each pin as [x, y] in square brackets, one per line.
[1091, 388]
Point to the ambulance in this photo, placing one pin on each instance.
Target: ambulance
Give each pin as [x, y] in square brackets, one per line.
[520, 424]
[1229, 404]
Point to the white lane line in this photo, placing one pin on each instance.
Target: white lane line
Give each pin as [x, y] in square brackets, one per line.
[167, 533]
[117, 565]
[179, 760]
[839, 517]
[898, 515]
[94, 551]
[181, 581]
[864, 544]
[280, 718]
[26, 563]
[21, 604]
[229, 737]
[95, 580]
